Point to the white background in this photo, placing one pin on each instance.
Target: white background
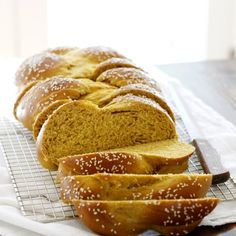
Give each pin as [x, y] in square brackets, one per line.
[154, 31]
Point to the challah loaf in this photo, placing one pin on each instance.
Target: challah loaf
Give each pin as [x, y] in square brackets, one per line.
[169, 156]
[93, 111]
[169, 217]
[134, 187]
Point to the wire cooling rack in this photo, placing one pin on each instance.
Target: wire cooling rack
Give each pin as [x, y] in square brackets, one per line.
[35, 188]
[36, 191]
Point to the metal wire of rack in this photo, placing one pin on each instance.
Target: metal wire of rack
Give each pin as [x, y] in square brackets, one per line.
[35, 188]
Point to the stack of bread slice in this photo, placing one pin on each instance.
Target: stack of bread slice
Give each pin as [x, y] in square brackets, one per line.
[102, 122]
[113, 196]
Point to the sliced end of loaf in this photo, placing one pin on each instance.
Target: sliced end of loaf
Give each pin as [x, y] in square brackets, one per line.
[73, 125]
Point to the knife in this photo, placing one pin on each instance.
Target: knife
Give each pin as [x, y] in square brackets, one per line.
[209, 158]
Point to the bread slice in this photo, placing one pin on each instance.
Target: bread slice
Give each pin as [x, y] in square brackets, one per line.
[134, 187]
[169, 156]
[83, 127]
[168, 217]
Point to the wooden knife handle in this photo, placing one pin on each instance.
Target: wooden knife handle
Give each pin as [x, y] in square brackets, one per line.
[210, 161]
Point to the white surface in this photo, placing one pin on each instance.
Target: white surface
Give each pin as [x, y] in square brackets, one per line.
[212, 126]
[222, 136]
[220, 133]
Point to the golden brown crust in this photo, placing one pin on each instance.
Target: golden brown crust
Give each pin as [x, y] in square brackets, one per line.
[21, 95]
[109, 162]
[169, 217]
[39, 67]
[113, 63]
[123, 76]
[134, 187]
[99, 54]
[61, 50]
[67, 62]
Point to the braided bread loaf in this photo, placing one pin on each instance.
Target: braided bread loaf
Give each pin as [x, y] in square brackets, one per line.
[92, 110]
